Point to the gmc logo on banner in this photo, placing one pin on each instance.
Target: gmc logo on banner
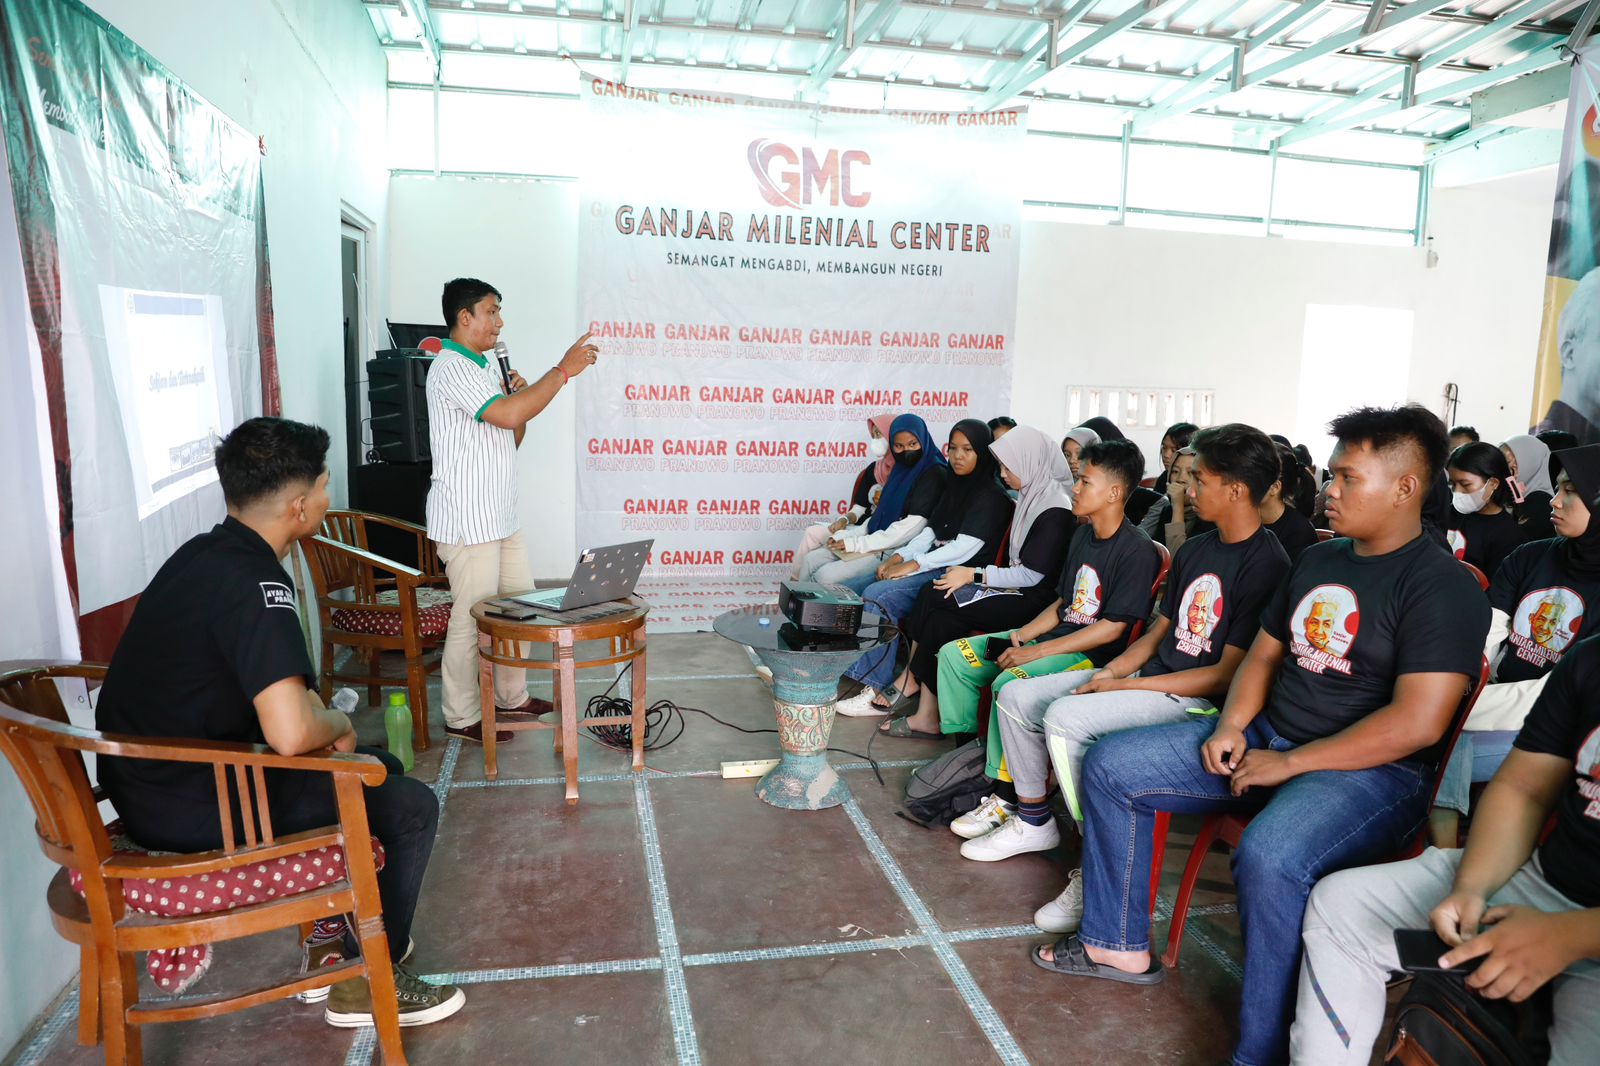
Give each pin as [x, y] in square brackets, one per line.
[789, 179]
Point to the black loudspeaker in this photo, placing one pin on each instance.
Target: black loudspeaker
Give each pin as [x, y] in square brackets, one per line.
[399, 490]
[397, 394]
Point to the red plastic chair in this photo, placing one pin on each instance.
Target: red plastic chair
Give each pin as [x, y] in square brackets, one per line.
[1325, 534]
[1483, 578]
[1230, 828]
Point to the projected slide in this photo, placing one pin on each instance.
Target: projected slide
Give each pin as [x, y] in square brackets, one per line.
[169, 361]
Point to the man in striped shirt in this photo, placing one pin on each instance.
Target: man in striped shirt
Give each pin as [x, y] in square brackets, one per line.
[475, 426]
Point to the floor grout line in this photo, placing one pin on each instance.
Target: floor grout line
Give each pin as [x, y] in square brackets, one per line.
[38, 1048]
[807, 951]
[1004, 1044]
[366, 1042]
[538, 973]
[683, 1034]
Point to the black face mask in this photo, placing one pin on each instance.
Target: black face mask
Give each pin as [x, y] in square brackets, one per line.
[910, 457]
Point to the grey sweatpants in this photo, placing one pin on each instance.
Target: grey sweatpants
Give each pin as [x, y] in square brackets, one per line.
[1036, 708]
[1350, 952]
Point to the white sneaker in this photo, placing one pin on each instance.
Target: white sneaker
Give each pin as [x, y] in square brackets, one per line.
[860, 705]
[764, 672]
[1064, 913]
[1014, 837]
[990, 814]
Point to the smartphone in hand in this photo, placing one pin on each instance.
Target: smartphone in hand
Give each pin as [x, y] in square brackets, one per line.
[1421, 949]
[998, 646]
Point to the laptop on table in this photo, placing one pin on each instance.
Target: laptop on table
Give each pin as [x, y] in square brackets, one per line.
[602, 577]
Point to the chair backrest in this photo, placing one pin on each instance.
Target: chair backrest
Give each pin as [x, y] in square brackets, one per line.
[335, 571]
[1136, 630]
[1325, 534]
[1457, 724]
[33, 688]
[1482, 578]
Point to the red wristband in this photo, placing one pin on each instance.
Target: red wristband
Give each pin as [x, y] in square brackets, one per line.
[566, 378]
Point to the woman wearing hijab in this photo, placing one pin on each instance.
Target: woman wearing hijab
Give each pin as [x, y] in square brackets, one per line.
[1104, 428]
[853, 555]
[1546, 598]
[966, 524]
[1072, 446]
[1480, 527]
[869, 486]
[1528, 459]
[989, 599]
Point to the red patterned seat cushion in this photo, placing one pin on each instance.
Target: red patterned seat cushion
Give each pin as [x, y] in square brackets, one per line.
[433, 615]
[177, 969]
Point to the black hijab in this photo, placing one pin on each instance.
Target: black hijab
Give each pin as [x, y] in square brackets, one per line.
[972, 504]
[1580, 556]
[1105, 427]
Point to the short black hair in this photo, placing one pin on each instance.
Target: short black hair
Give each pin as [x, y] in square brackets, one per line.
[1557, 440]
[1486, 461]
[463, 294]
[1302, 453]
[1387, 428]
[1239, 453]
[1005, 421]
[1278, 438]
[1180, 433]
[262, 456]
[1470, 432]
[1121, 458]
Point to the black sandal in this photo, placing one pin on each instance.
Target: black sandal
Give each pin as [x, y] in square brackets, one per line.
[1068, 956]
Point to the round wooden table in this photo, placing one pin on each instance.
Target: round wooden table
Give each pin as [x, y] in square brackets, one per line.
[504, 642]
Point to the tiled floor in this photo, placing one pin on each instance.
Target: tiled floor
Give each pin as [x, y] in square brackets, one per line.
[673, 917]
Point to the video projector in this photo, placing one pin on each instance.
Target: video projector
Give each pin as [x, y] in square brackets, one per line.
[820, 608]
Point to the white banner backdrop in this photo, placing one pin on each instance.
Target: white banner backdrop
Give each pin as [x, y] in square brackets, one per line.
[761, 277]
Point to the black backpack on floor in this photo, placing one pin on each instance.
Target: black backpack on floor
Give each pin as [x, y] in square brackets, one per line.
[1441, 1022]
[949, 786]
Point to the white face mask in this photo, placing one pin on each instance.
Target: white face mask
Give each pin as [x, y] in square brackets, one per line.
[878, 447]
[1470, 502]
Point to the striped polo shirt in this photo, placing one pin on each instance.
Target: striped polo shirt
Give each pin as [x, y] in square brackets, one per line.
[473, 499]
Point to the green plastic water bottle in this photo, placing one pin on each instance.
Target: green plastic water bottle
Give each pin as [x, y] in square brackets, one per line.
[397, 722]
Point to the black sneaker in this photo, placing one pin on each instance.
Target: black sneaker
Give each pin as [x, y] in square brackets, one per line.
[350, 1003]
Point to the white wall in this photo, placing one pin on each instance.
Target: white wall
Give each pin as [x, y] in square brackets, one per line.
[1097, 305]
[308, 75]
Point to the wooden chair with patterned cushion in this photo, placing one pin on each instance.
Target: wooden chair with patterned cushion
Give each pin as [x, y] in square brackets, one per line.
[373, 604]
[114, 900]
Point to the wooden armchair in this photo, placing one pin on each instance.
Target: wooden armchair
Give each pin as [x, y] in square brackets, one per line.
[47, 754]
[373, 604]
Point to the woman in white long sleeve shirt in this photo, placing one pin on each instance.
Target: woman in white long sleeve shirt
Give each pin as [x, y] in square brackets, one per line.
[869, 486]
[854, 555]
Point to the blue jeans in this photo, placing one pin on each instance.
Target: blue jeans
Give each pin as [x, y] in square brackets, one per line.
[1477, 755]
[892, 600]
[1309, 826]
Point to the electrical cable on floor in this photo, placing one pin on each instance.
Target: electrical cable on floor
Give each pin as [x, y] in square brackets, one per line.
[664, 723]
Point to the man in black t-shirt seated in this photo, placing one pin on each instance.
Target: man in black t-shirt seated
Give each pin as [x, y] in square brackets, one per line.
[1529, 912]
[1364, 655]
[215, 651]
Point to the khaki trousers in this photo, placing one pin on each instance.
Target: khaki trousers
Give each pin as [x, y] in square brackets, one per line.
[476, 572]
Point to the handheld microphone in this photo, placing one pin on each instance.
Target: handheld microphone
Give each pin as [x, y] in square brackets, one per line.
[502, 353]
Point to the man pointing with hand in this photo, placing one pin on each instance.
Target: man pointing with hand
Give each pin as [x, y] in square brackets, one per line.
[475, 427]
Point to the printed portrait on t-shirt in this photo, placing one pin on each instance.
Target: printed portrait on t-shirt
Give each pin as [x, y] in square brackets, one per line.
[873, 493]
[1323, 628]
[1199, 611]
[1458, 543]
[1544, 624]
[1588, 764]
[1084, 607]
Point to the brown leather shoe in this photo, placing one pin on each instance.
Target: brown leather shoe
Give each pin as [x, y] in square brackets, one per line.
[532, 709]
[474, 733]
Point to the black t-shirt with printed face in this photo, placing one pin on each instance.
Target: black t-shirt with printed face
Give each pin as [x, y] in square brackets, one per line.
[1352, 624]
[1106, 580]
[217, 625]
[1565, 722]
[1295, 532]
[1214, 598]
[1484, 540]
[1549, 608]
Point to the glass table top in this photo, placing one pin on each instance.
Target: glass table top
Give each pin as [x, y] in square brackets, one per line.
[764, 628]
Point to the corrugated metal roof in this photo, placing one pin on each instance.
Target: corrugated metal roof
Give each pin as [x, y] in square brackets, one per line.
[1259, 71]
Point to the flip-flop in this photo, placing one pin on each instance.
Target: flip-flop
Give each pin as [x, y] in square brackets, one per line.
[899, 728]
[1069, 957]
[891, 693]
